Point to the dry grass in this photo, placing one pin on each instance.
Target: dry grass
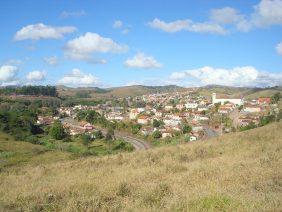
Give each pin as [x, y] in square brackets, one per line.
[236, 172]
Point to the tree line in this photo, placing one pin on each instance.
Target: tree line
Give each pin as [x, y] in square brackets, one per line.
[38, 90]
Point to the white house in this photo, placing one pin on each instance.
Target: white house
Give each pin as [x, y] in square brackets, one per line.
[191, 105]
[252, 109]
[222, 100]
[193, 138]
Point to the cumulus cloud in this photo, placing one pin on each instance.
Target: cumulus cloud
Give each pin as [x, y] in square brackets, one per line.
[117, 24]
[268, 12]
[279, 48]
[36, 76]
[42, 31]
[238, 76]
[77, 79]
[226, 15]
[53, 60]
[83, 47]
[8, 75]
[187, 25]
[140, 60]
[68, 14]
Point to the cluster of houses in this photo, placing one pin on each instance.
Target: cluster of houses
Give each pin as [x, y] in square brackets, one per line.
[172, 110]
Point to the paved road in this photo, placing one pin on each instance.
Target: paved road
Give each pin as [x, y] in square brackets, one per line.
[137, 143]
[209, 133]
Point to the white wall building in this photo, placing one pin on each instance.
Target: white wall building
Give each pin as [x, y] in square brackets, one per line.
[235, 101]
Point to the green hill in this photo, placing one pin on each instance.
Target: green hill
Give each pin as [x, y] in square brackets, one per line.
[235, 172]
[247, 93]
[125, 91]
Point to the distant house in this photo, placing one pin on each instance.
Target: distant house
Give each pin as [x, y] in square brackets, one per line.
[143, 120]
[223, 98]
[246, 120]
[224, 109]
[159, 114]
[168, 107]
[252, 109]
[191, 105]
[264, 100]
[193, 138]
[45, 120]
[197, 128]
[166, 134]
[180, 106]
[133, 113]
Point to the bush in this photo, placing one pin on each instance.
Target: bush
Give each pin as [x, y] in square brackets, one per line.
[32, 139]
[157, 134]
[57, 131]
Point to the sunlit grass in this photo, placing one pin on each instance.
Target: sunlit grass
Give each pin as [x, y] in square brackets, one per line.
[235, 172]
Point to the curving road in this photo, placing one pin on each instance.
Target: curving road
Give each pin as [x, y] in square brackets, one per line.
[137, 143]
[209, 133]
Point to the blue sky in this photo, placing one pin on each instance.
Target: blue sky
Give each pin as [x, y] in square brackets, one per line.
[115, 43]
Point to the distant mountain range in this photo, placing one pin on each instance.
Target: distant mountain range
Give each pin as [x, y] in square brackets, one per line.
[137, 90]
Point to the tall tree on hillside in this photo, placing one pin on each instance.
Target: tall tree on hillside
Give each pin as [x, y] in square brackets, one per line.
[57, 131]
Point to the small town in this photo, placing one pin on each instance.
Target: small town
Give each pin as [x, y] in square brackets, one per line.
[169, 115]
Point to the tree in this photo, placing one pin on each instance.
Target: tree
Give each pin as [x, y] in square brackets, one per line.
[110, 134]
[186, 129]
[135, 128]
[57, 131]
[157, 134]
[156, 123]
[276, 97]
[98, 134]
[86, 140]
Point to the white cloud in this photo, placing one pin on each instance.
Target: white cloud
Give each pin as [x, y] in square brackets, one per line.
[187, 25]
[125, 31]
[117, 24]
[226, 15]
[8, 73]
[238, 76]
[279, 48]
[140, 60]
[83, 47]
[51, 60]
[35, 76]
[66, 14]
[77, 79]
[14, 62]
[42, 31]
[268, 12]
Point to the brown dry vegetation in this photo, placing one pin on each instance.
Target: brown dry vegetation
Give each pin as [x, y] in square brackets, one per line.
[235, 172]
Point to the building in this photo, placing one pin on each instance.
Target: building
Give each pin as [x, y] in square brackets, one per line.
[264, 100]
[252, 109]
[191, 105]
[143, 120]
[224, 99]
[133, 113]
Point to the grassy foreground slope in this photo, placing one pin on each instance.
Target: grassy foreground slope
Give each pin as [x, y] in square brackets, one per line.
[239, 171]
